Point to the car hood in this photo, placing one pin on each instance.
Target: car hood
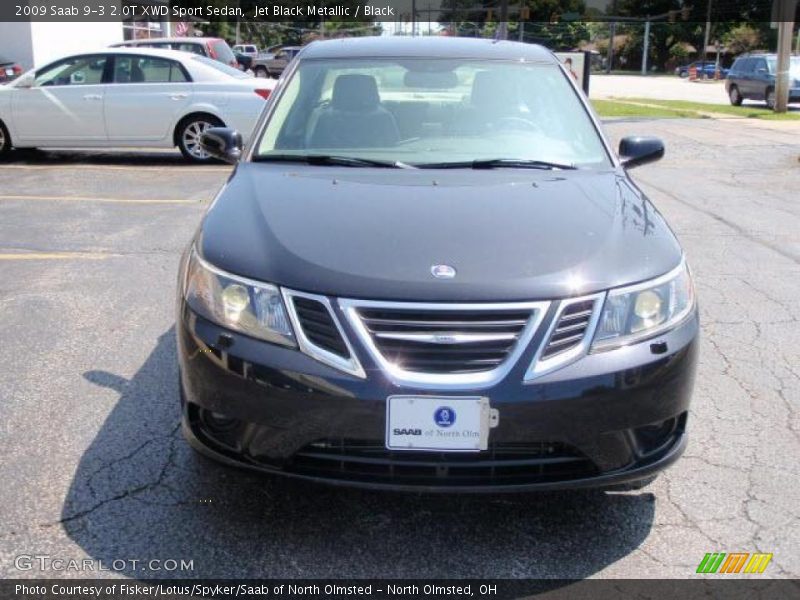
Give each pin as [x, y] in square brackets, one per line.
[376, 233]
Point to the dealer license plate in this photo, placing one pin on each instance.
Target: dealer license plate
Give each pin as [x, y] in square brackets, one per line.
[439, 423]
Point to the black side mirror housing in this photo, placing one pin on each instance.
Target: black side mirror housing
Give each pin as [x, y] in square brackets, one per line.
[223, 143]
[635, 151]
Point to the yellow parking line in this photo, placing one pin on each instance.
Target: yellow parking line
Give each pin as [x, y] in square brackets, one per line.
[54, 255]
[189, 169]
[92, 199]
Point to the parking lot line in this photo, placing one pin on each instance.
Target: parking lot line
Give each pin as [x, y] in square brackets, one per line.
[94, 199]
[54, 255]
[190, 169]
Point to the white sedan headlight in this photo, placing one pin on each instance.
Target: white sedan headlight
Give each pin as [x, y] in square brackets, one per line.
[635, 313]
[250, 307]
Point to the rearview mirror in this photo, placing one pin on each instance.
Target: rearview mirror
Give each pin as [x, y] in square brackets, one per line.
[639, 150]
[223, 143]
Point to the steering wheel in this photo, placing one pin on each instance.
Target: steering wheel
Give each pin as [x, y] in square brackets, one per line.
[506, 123]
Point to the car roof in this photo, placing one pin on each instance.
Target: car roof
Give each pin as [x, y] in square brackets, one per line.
[161, 52]
[427, 47]
[182, 40]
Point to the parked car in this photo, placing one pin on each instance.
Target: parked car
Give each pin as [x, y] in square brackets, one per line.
[212, 47]
[752, 77]
[9, 70]
[273, 65]
[244, 62]
[250, 50]
[705, 69]
[128, 97]
[430, 271]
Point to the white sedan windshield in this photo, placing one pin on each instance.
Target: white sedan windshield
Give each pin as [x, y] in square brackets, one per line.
[432, 111]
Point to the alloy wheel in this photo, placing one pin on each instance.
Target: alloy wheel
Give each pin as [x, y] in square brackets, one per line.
[191, 138]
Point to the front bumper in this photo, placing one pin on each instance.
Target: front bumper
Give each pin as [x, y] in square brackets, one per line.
[609, 418]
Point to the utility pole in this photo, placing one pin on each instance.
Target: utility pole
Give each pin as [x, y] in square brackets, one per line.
[612, 35]
[502, 26]
[646, 44]
[783, 12]
[413, 18]
[707, 36]
[785, 29]
[239, 25]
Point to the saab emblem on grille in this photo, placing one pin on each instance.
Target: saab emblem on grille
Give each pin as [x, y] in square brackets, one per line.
[443, 271]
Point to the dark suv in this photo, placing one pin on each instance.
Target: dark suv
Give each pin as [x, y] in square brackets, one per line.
[430, 271]
[752, 77]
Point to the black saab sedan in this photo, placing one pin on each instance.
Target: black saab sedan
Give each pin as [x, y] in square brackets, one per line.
[429, 271]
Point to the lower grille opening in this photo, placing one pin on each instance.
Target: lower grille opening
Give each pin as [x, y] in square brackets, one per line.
[502, 464]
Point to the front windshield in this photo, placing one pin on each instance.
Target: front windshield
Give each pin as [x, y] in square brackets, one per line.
[432, 111]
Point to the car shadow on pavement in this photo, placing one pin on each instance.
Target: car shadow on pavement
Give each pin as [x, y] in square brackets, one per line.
[140, 493]
[101, 158]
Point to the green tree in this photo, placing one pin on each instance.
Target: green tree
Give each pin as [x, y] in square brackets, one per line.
[742, 38]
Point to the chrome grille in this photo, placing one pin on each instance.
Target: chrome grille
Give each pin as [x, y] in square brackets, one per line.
[319, 327]
[444, 341]
[420, 343]
[570, 329]
[319, 332]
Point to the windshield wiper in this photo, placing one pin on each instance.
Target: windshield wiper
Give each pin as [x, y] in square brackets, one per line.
[332, 160]
[495, 163]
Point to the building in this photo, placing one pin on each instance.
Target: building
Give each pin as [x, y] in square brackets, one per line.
[36, 43]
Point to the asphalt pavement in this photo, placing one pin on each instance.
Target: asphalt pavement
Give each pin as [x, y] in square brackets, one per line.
[93, 464]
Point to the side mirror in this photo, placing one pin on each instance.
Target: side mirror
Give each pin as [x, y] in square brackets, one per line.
[639, 150]
[223, 143]
[25, 82]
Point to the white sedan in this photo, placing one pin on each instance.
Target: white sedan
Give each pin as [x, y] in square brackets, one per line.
[128, 97]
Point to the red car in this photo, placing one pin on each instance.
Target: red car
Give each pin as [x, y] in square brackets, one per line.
[9, 70]
[215, 48]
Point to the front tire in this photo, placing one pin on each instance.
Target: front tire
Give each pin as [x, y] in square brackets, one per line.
[5, 141]
[262, 72]
[734, 96]
[187, 136]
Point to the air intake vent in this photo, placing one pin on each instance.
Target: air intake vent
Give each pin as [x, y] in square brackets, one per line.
[319, 327]
[570, 329]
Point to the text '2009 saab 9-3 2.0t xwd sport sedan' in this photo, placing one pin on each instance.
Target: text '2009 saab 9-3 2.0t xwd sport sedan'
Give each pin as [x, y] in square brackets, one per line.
[429, 271]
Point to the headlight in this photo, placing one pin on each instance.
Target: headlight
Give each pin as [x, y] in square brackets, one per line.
[250, 307]
[642, 311]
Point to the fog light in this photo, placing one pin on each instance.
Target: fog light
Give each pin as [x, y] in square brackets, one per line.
[219, 423]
